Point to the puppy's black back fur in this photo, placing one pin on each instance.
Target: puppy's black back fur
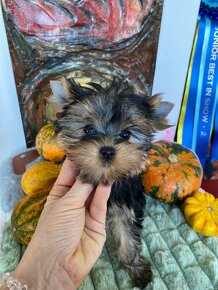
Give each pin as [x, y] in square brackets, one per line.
[130, 192]
[124, 220]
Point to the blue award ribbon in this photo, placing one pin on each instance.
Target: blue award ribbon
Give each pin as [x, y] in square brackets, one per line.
[191, 101]
[210, 8]
[201, 93]
[206, 98]
[201, 78]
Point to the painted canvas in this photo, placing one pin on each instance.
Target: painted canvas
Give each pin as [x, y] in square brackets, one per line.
[88, 40]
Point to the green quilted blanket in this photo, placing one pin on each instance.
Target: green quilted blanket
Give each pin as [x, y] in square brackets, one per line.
[181, 259]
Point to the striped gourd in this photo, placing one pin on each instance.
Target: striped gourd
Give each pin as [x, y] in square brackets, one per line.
[174, 172]
[40, 177]
[25, 217]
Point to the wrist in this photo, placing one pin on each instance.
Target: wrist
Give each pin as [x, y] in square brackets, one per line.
[41, 274]
[30, 270]
[8, 282]
[28, 276]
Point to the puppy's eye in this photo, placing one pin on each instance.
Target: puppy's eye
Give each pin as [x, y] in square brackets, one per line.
[125, 134]
[89, 129]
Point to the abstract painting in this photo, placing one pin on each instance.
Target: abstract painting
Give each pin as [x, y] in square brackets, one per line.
[88, 40]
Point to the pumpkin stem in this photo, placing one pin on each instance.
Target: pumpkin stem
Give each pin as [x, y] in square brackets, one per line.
[209, 208]
[172, 158]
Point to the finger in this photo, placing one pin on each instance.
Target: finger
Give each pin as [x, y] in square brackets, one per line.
[67, 174]
[98, 205]
[78, 194]
[64, 182]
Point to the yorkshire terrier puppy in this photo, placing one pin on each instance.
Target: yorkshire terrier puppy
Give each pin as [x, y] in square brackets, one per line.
[106, 133]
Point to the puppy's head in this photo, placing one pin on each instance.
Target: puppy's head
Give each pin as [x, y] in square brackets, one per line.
[106, 131]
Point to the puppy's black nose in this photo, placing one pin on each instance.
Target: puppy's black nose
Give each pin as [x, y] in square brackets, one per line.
[107, 153]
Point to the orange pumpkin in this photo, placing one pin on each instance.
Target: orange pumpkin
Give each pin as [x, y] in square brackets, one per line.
[46, 144]
[173, 173]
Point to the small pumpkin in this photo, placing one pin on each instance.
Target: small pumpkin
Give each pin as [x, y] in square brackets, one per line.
[201, 213]
[173, 173]
[25, 217]
[46, 144]
[40, 177]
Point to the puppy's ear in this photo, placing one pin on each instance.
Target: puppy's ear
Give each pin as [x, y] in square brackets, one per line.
[61, 93]
[161, 109]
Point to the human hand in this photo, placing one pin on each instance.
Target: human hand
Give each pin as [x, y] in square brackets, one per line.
[69, 236]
